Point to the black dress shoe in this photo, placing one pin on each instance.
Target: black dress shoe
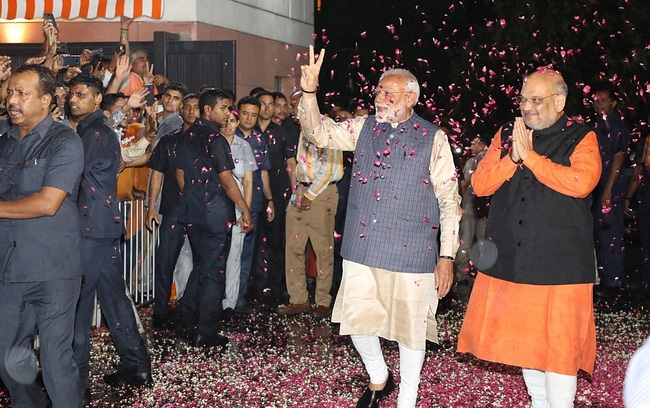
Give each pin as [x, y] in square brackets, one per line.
[431, 346]
[244, 309]
[186, 333]
[228, 314]
[210, 341]
[123, 377]
[370, 399]
[86, 398]
[606, 293]
[163, 322]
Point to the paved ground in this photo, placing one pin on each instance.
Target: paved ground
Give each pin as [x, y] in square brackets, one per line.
[275, 361]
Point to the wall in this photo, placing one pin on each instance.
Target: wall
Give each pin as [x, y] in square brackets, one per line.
[287, 21]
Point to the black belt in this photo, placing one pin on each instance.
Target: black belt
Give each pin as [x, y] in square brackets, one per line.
[309, 184]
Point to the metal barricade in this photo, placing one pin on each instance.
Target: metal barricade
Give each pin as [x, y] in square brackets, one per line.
[138, 256]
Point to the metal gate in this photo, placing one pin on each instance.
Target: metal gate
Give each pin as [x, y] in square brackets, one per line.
[196, 63]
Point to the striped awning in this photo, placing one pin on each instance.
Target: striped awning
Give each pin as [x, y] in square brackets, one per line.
[87, 9]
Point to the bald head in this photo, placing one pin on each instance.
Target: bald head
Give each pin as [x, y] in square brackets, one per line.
[543, 98]
[552, 77]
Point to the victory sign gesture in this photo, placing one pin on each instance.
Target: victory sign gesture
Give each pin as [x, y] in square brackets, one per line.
[309, 77]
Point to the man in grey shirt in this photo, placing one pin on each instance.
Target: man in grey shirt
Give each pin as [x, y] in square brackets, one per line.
[40, 165]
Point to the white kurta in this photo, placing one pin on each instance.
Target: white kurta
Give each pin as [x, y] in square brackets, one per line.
[396, 306]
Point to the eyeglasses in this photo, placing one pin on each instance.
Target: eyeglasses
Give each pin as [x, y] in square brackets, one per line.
[386, 94]
[520, 100]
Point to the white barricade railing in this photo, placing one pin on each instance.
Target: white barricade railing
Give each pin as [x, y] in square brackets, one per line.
[138, 255]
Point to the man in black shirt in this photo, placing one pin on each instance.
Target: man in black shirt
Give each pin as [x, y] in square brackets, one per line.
[206, 208]
[101, 229]
[269, 273]
[171, 232]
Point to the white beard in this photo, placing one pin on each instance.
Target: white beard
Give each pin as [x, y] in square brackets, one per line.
[390, 113]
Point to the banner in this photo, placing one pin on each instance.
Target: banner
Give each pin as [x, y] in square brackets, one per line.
[86, 9]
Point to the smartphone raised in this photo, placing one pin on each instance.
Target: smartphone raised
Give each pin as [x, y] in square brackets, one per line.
[50, 16]
[98, 52]
[71, 60]
[151, 98]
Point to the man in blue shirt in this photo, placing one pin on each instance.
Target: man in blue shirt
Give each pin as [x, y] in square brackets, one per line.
[40, 165]
[101, 229]
[262, 206]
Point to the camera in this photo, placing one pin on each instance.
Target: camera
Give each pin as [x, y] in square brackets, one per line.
[151, 97]
[62, 48]
[98, 52]
[50, 16]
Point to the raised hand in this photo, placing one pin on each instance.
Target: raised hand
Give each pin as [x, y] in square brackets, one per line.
[48, 26]
[56, 114]
[151, 124]
[70, 73]
[113, 63]
[137, 98]
[123, 67]
[125, 22]
[50, 36]
[84, 57]
[97, 70]
[57, 62]
[148, 76]
[35, 60]
[5, 67]
[309, 77]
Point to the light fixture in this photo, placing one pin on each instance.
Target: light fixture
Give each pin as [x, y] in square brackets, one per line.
[14, 31]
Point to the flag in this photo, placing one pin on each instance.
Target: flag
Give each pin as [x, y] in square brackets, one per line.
[86, 9]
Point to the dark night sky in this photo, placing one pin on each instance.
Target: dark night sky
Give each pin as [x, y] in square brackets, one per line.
[470, 56]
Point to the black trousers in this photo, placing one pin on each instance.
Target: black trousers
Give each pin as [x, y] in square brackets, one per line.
[50, 306]
[643, 219]
[103, 275]
[609, 234]
[205, 286]
[269, 269]
[249, 256]
[171, 239]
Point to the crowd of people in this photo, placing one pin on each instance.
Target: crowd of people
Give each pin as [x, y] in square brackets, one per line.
[352, 215]
[225, 180]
